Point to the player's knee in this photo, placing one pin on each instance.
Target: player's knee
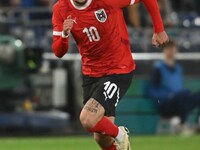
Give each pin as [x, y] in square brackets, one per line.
[87, 122]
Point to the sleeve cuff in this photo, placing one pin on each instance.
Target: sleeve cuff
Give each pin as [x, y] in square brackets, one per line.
[64, 36]
[132, 2]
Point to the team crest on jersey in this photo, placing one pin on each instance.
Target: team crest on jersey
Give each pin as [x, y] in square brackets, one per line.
[101, 15]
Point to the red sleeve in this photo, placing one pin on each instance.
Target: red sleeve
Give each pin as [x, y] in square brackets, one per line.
[153, 9]
[60, 44]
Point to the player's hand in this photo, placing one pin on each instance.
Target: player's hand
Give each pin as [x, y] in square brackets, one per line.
[68, 25]
[160, 39]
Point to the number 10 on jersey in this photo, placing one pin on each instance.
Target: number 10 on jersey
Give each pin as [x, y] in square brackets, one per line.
[92, 33]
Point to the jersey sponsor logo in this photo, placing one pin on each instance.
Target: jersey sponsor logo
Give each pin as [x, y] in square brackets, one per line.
[110, 89]
[101, 15]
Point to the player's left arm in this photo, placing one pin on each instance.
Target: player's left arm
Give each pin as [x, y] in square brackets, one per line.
[160, 37]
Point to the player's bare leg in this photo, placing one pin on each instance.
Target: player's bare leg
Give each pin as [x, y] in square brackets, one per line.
[91, 114]
[93, 119]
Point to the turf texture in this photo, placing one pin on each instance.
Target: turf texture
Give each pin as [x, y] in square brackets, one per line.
[87, 143]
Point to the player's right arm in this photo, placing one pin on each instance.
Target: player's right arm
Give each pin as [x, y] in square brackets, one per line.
[61, 31]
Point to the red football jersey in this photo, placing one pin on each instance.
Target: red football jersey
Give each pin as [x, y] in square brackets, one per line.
[100, 33]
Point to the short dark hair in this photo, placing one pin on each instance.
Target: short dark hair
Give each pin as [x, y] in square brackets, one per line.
[171, 43]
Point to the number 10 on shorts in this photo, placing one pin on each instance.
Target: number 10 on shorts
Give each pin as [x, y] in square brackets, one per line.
[110, 89]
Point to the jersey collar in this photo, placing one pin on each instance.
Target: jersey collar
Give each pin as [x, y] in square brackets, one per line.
[82, 7]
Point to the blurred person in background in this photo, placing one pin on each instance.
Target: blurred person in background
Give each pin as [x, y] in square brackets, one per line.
[166, 10]
[133, 13]
[166, 87]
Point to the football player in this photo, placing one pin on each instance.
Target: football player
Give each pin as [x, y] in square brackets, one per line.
[100, 32]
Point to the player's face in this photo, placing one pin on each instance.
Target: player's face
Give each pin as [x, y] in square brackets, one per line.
[170, 52]
[80, 2]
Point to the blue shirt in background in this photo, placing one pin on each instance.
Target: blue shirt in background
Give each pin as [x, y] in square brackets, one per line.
[166, 81]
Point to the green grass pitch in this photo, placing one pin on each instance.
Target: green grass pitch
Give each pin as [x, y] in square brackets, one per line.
[87, 143]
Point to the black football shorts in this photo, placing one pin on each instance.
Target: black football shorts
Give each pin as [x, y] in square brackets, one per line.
[107, 90]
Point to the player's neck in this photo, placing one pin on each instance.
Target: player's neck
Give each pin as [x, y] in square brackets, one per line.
[80, 3]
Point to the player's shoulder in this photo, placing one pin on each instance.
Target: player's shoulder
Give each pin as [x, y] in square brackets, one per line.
[98, 3]
[116, 4]
[59, 4]
[102, 4]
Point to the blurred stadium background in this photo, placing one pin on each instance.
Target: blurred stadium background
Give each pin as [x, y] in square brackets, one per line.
[42, 96]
